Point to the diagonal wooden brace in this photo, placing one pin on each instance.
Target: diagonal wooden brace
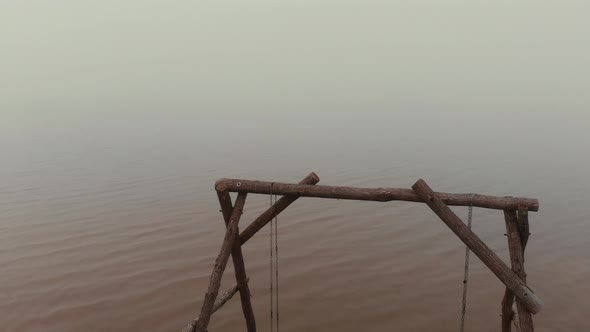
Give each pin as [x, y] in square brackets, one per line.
[221, 300]
[274, 210]
[220, 263]
[239, 266]
[479, 248]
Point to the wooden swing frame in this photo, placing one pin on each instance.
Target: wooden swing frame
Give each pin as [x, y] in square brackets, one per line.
[515, 215]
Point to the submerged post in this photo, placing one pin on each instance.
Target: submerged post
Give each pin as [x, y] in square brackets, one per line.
[487, 256]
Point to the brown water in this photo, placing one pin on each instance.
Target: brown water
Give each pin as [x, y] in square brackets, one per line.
[113, 225]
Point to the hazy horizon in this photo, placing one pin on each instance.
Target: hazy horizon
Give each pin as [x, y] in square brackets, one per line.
[226, 59]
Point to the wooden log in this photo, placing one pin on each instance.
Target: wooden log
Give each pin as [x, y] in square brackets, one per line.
[523, 227]
[517, 262]
[371, 194]
[220, 263]
[221, 300]
[488, 257]
[508, 300]
[226, 296]
[274, 210]
[507, 312]
[239, 266]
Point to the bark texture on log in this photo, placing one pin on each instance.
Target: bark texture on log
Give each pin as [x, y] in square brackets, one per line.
[507, 312]
[371, 194]
[274, 210]
[517, 261]
[220, 263]
[239, 266]
[523, 227]
[479, 248]
[221, 300]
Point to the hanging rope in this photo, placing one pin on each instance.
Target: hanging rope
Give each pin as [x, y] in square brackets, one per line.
[277, 265]
[274, 266]
[272, 316]
[466, 269]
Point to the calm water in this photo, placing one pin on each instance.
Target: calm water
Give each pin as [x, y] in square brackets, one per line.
[112, 223]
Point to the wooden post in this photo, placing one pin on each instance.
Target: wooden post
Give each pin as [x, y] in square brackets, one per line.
[220, 263]
[523, 230]
[274, 210]
[488, 257]
[371, 194]
[517, 230]
[517, 261]
[239, 266]
[523, 227]
[507, 312]
[221, 300]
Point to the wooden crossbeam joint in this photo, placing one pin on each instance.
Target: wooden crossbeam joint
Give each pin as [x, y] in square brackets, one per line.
[278, 207]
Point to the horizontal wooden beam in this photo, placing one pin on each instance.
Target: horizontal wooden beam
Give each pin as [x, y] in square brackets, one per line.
[221, 300]
[371, 194]
[479, 248]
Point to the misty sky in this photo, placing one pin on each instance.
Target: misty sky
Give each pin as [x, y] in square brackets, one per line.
[216, 59]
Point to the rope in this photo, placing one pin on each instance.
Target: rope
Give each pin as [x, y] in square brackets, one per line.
[277, 265]
[271, 266]
[466, 269]
[274, 266]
